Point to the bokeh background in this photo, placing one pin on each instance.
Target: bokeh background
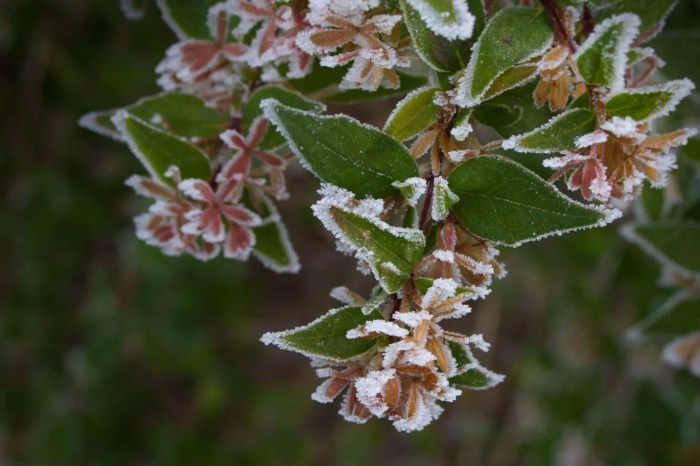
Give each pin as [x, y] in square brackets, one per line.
[112, 354]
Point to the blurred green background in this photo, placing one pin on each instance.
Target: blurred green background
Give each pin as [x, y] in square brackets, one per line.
[112, 354]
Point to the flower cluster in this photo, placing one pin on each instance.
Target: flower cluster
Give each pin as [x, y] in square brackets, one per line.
[418, 365]
[205, 217]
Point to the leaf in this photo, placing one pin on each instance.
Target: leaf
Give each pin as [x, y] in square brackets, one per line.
[602, 58]
[647, 103]
[511, 78]
[325, 336]
[252, 110]
[443, 200]
[477, 378]
[497, 114]
[651, 12]
[415, 113]
[504, 202]
[678, 315]
[187, 18]
[183, 114]
[471, 374]
[450, 19]
[438, 52]
[158, 150]
[391, 252]
[672, 244]
[273, 249]
[557, 135]
[344, 152]
[514, 35]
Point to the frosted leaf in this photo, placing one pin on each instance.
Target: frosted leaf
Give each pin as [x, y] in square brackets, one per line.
[374, 327]
[677, 90]
[346, 296]
[349, 415]
[320, 395]
[455, 24]
[618, 56]
[411, 189]
[443, 199]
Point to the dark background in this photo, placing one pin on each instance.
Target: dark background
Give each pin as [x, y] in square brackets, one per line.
[112, 354]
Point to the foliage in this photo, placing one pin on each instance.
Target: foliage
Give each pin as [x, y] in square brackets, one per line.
[423, 203]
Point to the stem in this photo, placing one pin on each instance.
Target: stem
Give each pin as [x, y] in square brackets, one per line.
[555, 13]
[423, 220]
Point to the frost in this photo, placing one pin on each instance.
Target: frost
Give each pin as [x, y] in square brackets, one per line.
[461, 132]
[587, 140]
[630, 29]
[460, 26]
[131, 10]
[443, 199]
[371, 390]
[345, 296]
[412, 189]
[621, 126]
[683, 352]
[377, 326]
[444, 255]
[678, 89]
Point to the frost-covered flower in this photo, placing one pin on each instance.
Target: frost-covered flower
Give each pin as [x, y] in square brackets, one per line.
[274, 43]
[340, 40]
[268, 174]
[189, 61]
[618, 157]
[558, 82]
[162, 225]
[463, 258]
[220, 218]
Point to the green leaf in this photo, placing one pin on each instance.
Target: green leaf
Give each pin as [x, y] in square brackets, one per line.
[325, 336]
[647, 103]
[182, 114]
[602, 58]
[158, 150]
[679, 315]
[651, 203]
[439, 53]
[511, 78]
[651, 12]
[498, 114]
[187, 18]
[471, 374]
[273, 249]
[504, 202]
[557, 135]
[391, 252]
[514, 35]
[414, 114]
[252, 110]
[344, 152]
[672, 244]
[443, 200]
[477, 378]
